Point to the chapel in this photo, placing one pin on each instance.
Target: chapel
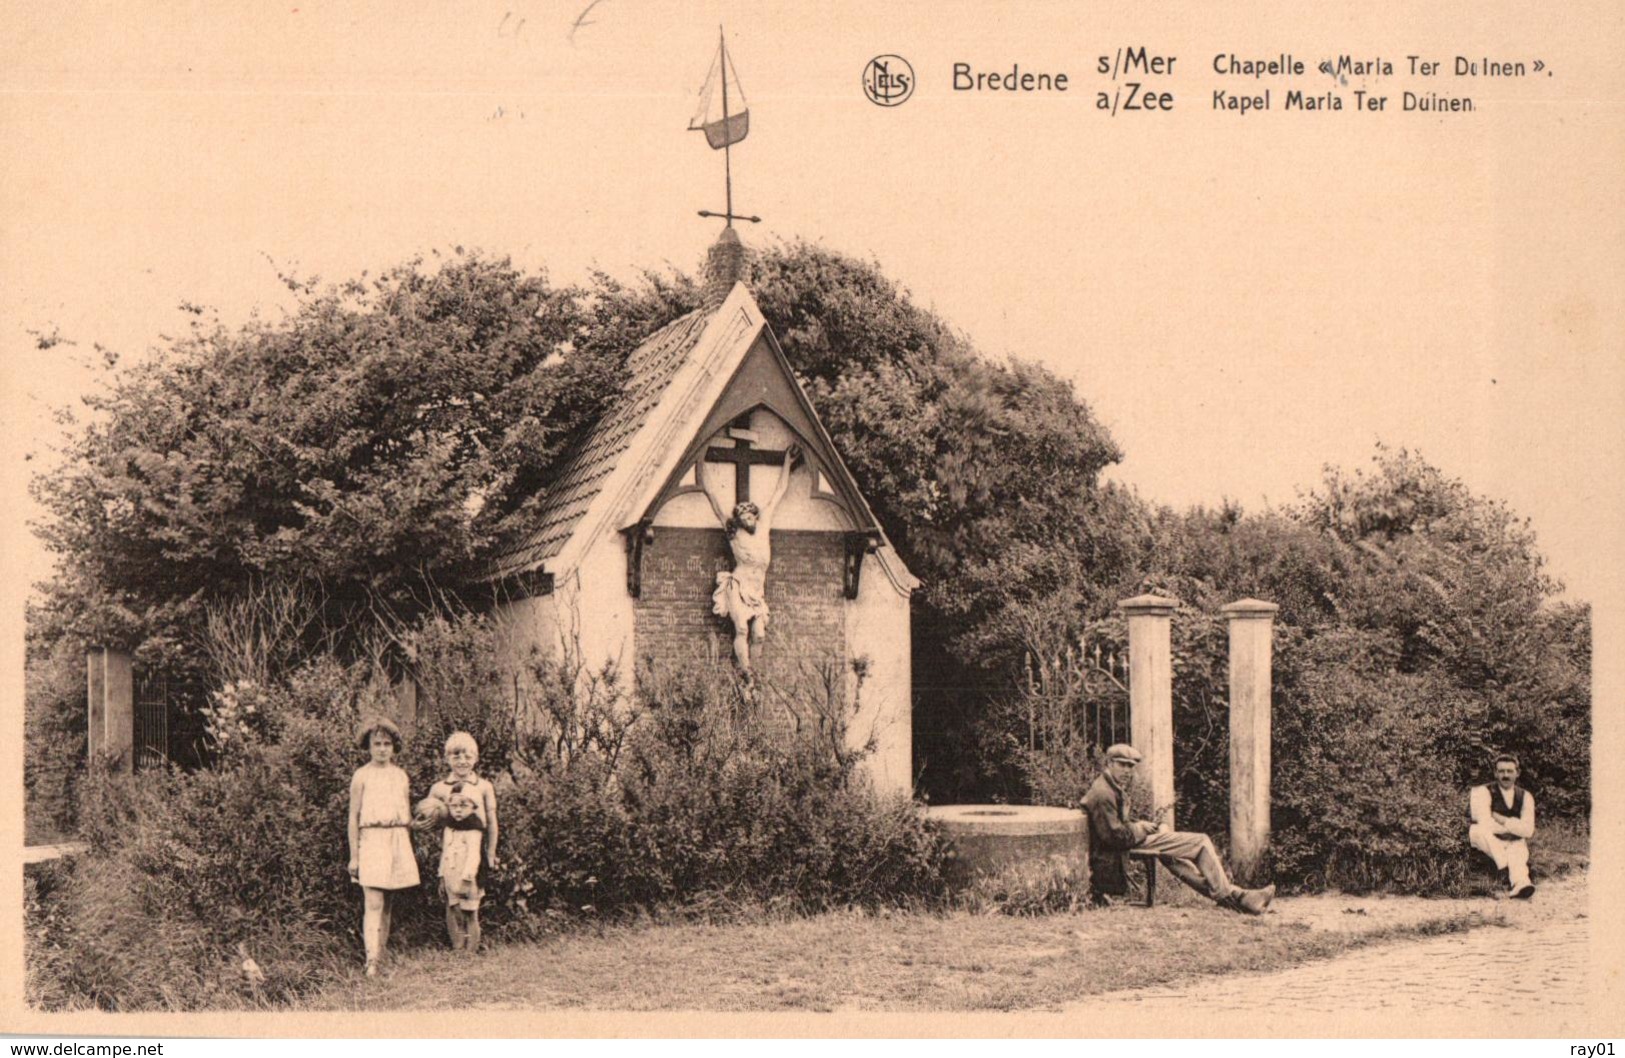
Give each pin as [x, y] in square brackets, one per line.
[628, 555]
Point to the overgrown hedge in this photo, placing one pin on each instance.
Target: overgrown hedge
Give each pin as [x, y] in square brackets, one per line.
[1371, 763]
[53, 741]
[1418, 636]
[684, 798]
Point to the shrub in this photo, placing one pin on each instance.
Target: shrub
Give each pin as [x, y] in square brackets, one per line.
[686, 795]
[46, 928]
[1366, 793]
[188, 874]
[701, 796]
[1417, 637]
[463, 684]
[53, 739]
[1371, 763]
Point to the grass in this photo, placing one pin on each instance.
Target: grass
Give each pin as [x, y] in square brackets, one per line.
[1560, 849]
[858, 961]
[962, 961]
[907, 960]
[1557, 850]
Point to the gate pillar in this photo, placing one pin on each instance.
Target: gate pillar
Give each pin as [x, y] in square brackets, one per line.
[110, 686]
[1250, 623]
[1151, 693]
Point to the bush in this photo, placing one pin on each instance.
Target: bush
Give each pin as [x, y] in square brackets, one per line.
[188, 875]
[45, 933]
[706, 799]
[53, 740]
[684, 796]
[1366, 790]
[1417, 637]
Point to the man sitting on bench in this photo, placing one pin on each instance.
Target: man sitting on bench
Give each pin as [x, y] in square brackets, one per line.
[1190, 857]
[1502, 816]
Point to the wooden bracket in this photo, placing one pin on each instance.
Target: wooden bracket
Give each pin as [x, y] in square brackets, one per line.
[637, 535]
[858, 543]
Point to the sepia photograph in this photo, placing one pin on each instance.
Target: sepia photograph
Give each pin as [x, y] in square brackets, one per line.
[640, 517]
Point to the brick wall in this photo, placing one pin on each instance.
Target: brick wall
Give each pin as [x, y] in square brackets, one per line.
[807, 627]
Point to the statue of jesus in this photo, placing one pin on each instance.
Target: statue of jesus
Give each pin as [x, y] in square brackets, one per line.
[741, 595]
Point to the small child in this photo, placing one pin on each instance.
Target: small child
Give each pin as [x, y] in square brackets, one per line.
[460, 869]
[463, 901]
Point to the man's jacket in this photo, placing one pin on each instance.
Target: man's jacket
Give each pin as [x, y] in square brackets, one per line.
[1110, 837]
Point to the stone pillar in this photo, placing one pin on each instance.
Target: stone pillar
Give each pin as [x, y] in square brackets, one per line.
[1151, 693]
[1250, 624]
[110, 687]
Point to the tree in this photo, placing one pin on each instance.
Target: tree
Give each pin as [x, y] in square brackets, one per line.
[381, 439]
[387, 436]
[1410, 605]
[1456, 582]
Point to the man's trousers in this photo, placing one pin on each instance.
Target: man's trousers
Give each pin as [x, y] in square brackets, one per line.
[1178, 850]
[1511, 854]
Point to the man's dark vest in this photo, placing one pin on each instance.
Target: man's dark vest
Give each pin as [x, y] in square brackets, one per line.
[1498, 803]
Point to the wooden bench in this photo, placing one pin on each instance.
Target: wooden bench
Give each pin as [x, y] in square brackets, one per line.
[1150, 861]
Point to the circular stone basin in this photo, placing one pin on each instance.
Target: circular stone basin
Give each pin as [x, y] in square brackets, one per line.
[989, 839]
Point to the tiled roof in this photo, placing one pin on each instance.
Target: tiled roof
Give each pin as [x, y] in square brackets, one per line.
[582, 472]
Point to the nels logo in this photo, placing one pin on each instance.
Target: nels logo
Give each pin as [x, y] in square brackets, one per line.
[888, 80]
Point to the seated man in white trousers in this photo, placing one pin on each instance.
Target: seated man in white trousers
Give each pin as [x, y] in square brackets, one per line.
[1503, 821]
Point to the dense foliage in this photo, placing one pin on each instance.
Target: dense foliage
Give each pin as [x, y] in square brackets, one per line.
[378, 440]
[54, 723]
[676, 800]
[385, 437]
[1417, 637]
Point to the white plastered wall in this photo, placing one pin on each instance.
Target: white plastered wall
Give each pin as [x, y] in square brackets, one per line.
[877, 627]
[588, 611]
[602, 607]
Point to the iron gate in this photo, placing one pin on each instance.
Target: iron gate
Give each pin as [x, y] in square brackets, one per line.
[152, 700]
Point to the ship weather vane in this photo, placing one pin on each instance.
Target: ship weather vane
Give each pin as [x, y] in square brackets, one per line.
[728, 129]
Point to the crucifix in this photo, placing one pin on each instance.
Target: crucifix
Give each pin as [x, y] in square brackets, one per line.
[743, 456]
[741, 594]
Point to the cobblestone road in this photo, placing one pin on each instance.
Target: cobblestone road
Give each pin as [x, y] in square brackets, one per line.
[1526, 976]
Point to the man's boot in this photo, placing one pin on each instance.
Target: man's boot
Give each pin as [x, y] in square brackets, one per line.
[1254, 901]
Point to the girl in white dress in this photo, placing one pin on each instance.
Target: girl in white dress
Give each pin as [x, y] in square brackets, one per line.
[381, 858]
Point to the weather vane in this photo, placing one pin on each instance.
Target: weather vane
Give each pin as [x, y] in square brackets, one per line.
[722, 133]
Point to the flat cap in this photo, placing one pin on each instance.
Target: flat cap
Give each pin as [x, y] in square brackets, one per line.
[1124, 751]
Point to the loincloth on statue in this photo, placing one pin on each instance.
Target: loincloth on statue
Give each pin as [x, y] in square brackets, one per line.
[736, 601]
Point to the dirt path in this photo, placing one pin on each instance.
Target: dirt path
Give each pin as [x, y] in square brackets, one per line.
[1522, 974]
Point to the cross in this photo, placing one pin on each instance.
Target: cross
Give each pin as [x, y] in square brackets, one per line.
[743, 456]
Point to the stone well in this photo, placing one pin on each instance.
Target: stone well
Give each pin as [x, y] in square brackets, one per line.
[988, 838]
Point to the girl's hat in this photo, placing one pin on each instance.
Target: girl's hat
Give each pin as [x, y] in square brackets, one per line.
[363, 734]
